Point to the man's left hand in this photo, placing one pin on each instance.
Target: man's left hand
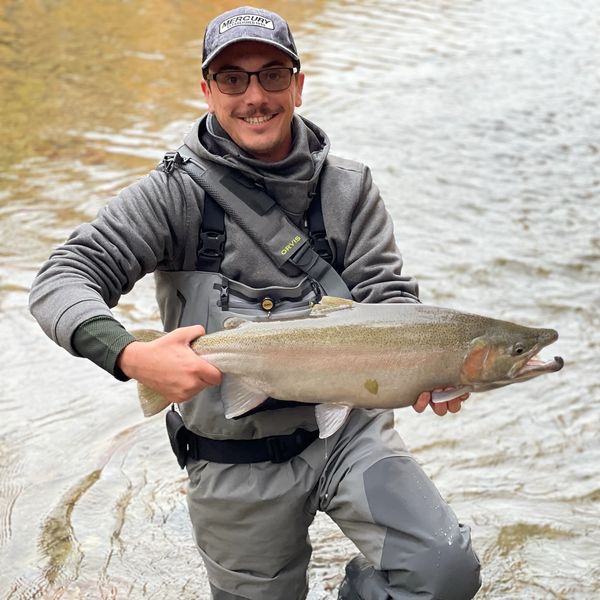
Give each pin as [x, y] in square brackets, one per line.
[439, 408]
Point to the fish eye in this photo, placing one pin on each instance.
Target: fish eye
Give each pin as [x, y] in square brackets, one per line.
[518, 348]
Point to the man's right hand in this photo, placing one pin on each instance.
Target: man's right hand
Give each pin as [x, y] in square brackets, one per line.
[169, 366]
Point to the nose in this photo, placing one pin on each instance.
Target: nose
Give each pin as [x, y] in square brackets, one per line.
[255, 93]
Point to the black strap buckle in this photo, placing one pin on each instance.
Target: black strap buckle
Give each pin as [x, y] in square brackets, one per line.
[224, 297]
[171, 160]
[320, 245]
[212, 244]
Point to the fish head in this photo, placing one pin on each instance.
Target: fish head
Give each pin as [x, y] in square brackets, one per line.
[508, 353]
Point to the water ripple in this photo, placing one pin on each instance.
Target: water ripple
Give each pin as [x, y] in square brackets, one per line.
[479, 121]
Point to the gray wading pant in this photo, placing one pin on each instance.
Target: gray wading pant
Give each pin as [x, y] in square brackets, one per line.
[251, 520]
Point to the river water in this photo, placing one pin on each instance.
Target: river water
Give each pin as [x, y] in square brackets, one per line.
[479, 119]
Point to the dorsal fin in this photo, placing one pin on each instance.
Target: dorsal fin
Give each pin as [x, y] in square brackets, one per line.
[234, 322]
[147, 335]
[329, 304]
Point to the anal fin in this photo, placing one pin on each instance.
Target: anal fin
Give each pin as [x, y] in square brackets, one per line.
[330, 417]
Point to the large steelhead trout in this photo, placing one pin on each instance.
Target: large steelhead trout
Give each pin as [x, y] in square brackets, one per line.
[346, 354]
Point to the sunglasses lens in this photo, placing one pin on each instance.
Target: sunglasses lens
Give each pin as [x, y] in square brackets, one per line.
[236, 82]
[232, 82]
[275, 80]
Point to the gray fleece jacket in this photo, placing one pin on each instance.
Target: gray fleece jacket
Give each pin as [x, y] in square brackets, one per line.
[154, 224]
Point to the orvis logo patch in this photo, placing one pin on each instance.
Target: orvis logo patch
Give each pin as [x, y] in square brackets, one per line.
[239, 20]
[290, 245]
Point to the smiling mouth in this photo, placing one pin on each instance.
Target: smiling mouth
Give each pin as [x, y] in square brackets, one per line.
[257, 120]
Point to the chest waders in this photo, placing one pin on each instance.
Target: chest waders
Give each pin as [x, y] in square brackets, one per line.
[207, 297]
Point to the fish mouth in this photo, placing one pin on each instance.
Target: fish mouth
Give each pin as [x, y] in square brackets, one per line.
[535, 366]
[531, 365]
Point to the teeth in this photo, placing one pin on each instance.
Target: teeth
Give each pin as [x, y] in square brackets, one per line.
[257, 120]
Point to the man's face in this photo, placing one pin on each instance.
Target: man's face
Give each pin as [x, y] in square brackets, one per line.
[258, 121]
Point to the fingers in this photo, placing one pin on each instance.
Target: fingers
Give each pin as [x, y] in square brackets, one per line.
[186, 334]
[181, 382]
[208, 373]
[189, 371]
[422, 401]
[455, 404]
[439, 408]
[169, 365]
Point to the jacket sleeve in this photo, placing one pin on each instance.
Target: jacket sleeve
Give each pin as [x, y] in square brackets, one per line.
[372, 260]
[149, 224]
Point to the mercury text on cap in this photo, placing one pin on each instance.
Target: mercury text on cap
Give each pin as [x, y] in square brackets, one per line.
[252, 20]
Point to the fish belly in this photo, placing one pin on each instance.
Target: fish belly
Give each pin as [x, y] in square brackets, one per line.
[360, 379]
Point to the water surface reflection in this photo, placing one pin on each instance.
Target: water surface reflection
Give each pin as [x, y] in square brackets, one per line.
[478, 120]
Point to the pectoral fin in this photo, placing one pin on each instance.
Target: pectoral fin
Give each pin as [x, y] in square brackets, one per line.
[330, 417]
[240, 396]
[448, 395]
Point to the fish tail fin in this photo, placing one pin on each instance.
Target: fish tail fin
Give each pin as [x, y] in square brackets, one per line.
[151, 401]
[147, 335]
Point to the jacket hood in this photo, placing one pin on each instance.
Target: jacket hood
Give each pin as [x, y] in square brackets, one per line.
[290, 182]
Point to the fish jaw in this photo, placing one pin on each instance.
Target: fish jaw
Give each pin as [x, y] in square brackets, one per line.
[529, 365]
[532, 366]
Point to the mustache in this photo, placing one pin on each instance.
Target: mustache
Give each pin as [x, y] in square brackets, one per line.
[262, 111]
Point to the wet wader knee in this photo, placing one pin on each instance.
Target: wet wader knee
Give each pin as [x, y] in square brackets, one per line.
[449, 576]
[443, 565]
[414, 546]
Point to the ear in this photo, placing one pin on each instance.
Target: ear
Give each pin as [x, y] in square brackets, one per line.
[299, 87]
[207, 94]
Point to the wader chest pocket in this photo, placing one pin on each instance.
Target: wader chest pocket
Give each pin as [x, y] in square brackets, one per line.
[257, 303]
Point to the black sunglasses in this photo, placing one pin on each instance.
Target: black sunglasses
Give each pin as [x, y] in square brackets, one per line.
[273, 79]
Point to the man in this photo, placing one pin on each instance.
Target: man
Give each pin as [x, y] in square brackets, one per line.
[256, 482]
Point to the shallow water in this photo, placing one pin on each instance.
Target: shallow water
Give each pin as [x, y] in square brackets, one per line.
[479, 121]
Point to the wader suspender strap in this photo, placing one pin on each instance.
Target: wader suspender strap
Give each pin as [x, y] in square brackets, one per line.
[260, 217]
[212, 234]
[316, 228]
[212, 237]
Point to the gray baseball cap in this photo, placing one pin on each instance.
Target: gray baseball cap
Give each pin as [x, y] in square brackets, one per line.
[247, 23]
